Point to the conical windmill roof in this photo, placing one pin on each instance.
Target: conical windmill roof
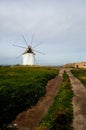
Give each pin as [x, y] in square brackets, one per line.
[29, 50]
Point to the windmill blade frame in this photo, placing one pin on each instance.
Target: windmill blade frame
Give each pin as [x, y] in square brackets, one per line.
[37, 45]
[19, 56]
[24, 39]
[39, 52]
[18, 46]
[32, 40]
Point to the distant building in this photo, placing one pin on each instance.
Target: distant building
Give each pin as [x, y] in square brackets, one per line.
[80, 65]
[75, 65]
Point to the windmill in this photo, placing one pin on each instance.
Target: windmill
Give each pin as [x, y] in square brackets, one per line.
[29, 53]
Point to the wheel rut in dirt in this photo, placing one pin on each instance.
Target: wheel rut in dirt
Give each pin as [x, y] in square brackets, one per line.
[29, 119]
[79, 102]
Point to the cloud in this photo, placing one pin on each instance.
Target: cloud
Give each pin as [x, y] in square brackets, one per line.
[60, 24]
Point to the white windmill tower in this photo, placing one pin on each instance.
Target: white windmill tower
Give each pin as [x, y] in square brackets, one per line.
[29, 53]
[29, 56]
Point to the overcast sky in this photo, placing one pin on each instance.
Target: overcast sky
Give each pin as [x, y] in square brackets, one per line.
[59, 25]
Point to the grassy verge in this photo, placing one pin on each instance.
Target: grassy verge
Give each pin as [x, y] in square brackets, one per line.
[80, 74]
[60, 114]
[21, 88]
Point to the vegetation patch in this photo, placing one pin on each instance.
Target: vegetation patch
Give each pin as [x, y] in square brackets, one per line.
[20, 88]
[60, 114]
[80, 74]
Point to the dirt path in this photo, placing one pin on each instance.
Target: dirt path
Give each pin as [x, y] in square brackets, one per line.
[29, 119]
[79, 103]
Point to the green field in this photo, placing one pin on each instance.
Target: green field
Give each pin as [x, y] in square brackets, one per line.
[80, 74]
[20, 88]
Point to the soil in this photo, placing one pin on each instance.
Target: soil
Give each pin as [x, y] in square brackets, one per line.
[28, 120]
[79, 102]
